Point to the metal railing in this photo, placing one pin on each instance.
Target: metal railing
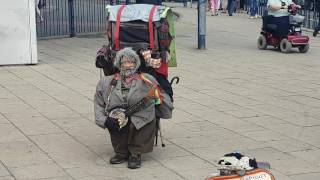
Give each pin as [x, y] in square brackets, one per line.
[63, 18]
[308, 9]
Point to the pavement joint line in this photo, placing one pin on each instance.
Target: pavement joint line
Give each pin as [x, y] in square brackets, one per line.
[172, 170]
[296, 139]
[71, 136]
[255, 124]
[33, 142]
[247, 98]
[11, 174]
[193, 154]
[52, 96]
[62, 129]
[304, 173]
[53, 133]
[60, 59]
[48, 77]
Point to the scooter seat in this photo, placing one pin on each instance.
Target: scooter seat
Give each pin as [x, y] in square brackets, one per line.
[271, 27]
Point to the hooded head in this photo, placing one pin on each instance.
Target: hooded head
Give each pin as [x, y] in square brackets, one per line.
[127, 61]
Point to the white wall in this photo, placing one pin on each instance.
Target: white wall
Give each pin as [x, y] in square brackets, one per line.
[18, 43]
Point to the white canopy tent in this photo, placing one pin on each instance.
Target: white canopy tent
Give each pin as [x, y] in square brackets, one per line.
[18, 43]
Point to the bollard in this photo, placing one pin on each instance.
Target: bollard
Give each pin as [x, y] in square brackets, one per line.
[71, 18]
[201, 24]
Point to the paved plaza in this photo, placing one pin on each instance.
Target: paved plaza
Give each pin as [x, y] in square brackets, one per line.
[231, 96]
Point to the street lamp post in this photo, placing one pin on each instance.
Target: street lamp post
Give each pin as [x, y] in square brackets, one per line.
[201, 24]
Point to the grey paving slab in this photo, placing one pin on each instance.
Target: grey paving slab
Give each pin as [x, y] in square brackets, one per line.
[3, 170]
[38, 171]
[21, 153]
[102, 170]
[89, 135]
[67, 123]
[3, 120]
[309, 176]
[7, 178]
[36, 125]
[295, 166]
[9, 133]
[310, 155]
[291, 145]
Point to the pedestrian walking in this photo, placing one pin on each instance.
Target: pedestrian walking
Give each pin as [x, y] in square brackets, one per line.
[254, 5]
[317, 10]
[224, 5]
[214, 6]
[231, 7]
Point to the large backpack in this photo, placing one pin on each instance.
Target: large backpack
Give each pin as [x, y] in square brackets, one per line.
[140, 26]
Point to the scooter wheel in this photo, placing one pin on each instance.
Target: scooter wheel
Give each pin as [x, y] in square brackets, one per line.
[262, 42]
[304, 48]
[285, 46]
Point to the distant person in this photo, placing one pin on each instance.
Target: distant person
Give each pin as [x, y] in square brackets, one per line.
[317, 27]
[155, 2]
[254, 5]
[232, 5]
[185, 3]
[224, 5]
[214, 6]
[39, 4]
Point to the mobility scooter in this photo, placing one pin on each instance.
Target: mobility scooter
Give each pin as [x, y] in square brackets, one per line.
[294, 37]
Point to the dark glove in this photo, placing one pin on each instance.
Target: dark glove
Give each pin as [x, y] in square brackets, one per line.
[112, 124]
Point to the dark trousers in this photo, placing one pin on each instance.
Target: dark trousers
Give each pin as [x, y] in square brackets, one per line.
[317, 28]
[131, 140]
[281, 24]
[231, 7]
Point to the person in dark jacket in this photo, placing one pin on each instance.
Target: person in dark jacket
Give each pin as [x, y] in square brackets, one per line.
[317, 27]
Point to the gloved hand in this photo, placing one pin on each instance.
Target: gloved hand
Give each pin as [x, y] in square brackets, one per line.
[112, 124]
[152, 59]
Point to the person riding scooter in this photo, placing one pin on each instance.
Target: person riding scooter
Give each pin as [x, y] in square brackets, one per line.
[282, 27]
[278, 16]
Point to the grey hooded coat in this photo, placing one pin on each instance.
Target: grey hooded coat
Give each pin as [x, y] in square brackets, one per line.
[138, 90]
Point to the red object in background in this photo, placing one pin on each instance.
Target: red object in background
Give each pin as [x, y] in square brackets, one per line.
[163, 69]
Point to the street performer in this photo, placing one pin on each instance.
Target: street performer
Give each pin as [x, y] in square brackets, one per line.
[125, 104]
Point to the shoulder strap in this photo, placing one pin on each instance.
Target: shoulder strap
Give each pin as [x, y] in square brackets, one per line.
[113, 84]
[151, 33]
[157, 96]
[117, 31]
